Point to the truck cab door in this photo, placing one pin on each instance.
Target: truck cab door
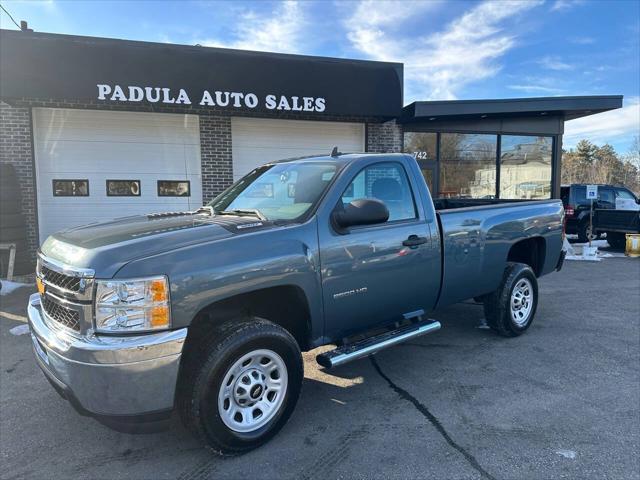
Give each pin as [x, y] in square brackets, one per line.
[374, 274]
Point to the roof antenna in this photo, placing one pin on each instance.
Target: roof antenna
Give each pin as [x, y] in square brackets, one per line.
[335, 152]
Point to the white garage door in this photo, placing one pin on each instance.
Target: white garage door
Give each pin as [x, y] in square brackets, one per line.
[73, 146]
[256, 141]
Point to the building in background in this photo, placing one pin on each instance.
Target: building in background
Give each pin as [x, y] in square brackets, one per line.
[99, 128]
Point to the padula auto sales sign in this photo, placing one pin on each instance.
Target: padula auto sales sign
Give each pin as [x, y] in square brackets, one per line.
[206, 98]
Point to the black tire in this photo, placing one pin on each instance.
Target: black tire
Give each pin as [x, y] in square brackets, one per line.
[584, 231]
[497, 305]
[617, 240]
[204, 368]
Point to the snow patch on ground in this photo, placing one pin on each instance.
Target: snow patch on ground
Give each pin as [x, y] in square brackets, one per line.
[8, 286]
[19, 330]
[597, 243]
[574, 251]
[583, 258]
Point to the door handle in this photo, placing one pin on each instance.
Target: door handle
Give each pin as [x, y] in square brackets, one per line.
[414, 241]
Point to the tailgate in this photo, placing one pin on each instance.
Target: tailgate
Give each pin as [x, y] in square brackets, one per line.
[617, 220]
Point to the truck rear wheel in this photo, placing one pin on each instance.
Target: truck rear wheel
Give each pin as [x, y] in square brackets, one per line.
[509, 310]
[240, 386]
[616, 240]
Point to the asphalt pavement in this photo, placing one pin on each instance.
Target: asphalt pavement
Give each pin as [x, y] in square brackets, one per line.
[561, 401]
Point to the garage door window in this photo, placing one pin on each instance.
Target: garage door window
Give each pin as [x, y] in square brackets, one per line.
[123, 188]
[70, 188]
[174, 188]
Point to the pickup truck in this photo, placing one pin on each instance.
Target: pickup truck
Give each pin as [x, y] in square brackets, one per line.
[606, 219]
[207, 312]
[616, 224]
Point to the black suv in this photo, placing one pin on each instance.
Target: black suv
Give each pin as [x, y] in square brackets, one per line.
[576, 205]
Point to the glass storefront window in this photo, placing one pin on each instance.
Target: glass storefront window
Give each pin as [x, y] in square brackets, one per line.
[423, 147]
[467, 165]
[525, 167]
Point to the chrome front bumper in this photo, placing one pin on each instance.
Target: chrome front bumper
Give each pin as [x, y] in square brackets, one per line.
[105, 376]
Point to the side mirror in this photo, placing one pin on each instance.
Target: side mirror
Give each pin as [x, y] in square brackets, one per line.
[362, 211]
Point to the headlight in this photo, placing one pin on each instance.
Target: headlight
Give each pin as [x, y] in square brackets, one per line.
[132, 305]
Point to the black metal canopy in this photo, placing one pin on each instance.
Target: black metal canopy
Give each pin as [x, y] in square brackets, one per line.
[70, 68]
[568, 108]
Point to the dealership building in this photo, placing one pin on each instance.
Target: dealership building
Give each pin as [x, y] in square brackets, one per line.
[98, 128]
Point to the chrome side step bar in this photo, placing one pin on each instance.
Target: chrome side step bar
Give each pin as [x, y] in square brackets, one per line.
[368, 346]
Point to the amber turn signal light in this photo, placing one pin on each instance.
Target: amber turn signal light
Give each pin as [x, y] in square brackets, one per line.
[158, 291]
[160, 316]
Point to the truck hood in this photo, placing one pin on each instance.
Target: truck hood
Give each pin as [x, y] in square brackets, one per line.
[106, 247]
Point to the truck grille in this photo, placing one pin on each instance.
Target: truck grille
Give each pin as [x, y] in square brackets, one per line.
[61, 280]
[64, 316]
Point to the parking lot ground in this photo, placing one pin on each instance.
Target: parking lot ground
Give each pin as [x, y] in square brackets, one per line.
[561, 401]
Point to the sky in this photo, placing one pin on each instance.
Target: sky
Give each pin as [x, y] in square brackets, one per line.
[450, 49]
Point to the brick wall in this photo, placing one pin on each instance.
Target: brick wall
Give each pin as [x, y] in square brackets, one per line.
[384, 137]
[16, 149]
[215, 154]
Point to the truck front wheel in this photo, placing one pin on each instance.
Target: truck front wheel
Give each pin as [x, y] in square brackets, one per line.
[585, 232]
[240, 386]
[510, 309]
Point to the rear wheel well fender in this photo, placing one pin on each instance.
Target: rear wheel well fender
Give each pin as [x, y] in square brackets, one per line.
[530, 251]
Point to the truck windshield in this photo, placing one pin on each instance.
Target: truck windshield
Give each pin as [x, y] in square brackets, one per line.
[281, 191]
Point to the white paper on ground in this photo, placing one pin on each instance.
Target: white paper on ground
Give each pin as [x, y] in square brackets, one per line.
[566, 453]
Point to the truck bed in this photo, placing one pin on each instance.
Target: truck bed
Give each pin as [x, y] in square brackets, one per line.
[451, 203]
[477, 236]
[623, 221]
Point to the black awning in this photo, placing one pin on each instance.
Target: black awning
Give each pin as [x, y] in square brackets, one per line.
[568, 108]
[69, 68]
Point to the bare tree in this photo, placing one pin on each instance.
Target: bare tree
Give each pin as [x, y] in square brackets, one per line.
[588, 163]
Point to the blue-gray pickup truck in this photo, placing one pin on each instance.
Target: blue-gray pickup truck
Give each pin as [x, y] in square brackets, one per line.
[206, 312]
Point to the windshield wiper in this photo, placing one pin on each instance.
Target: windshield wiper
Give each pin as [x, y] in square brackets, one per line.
[206, 209]
[244, 211]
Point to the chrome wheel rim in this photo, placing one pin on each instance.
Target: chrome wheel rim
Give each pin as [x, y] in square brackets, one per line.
[522, 302]
[252, 391]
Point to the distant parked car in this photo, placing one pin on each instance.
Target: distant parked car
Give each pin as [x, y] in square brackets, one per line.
[576, 206]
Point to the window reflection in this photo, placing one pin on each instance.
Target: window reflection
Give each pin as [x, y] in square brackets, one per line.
[525, 167]
[387, 182]
[421, 145]
[467, 165]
